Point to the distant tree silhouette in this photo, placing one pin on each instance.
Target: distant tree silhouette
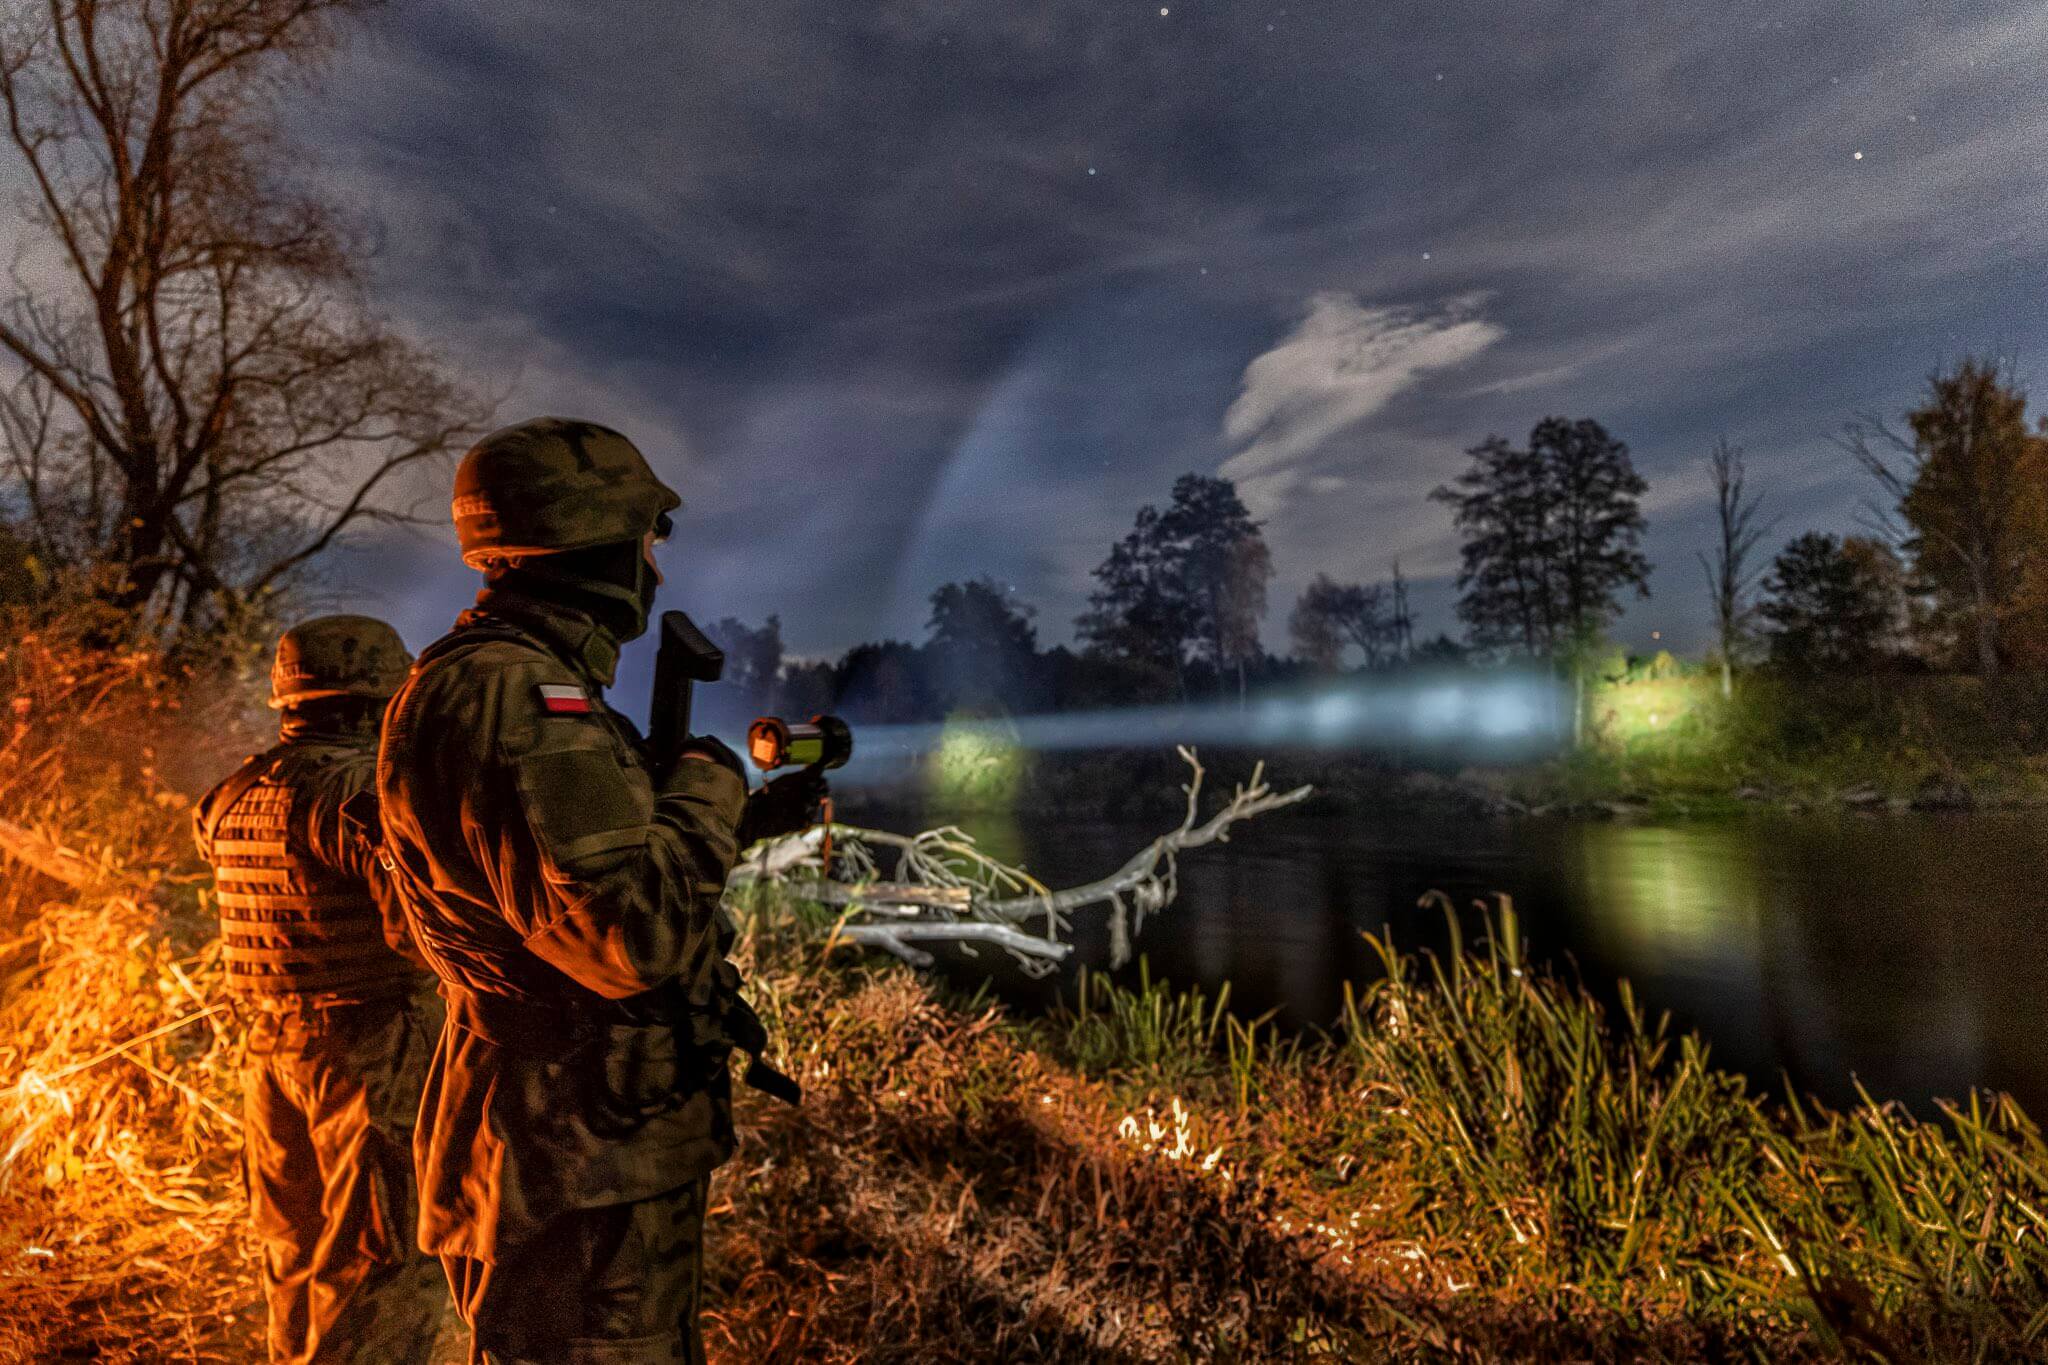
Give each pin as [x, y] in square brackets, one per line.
[1330, 616]
[752, 682]
[1502, 507]
[1403, 619]
[753, 655]
[1833, 605]
[1140, 612]
[1551, 536]
[886, 683]
[1186, 584]
[1443, 650]
[1728, 571]
[982, 649]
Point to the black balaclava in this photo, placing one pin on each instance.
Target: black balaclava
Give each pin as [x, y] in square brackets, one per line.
[346, 720]
[612, 584]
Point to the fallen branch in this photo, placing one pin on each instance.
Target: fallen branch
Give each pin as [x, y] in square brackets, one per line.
[897, 938]
[945, 889]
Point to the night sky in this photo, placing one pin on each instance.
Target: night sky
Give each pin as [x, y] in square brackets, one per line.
[898, 293]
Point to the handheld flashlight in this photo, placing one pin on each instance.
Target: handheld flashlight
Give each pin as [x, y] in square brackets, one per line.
[822, 742]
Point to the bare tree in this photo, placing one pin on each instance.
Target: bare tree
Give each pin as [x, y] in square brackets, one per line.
[202, 400]
[1729, 573]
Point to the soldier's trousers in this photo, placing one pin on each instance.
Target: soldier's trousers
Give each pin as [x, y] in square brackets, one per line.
[608, 1286]
[329, 1101]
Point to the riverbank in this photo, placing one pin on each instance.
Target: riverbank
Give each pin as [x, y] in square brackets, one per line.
[1665, 744]
[1477, 1162]
[1672, 744]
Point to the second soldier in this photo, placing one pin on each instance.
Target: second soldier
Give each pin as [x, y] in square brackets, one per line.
[339, 1034]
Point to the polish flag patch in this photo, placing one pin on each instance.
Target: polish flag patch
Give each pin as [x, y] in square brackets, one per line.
[558, 699]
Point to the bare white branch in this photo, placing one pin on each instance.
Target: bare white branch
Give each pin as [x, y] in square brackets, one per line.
[944, 888]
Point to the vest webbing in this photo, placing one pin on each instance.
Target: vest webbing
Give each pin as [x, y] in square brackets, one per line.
[290, 925]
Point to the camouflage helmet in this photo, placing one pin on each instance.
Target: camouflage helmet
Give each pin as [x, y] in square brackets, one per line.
[337, 656]
[549, 485]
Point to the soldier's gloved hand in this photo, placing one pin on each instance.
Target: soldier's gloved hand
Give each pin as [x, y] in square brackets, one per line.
[783, 806]
[707, 747]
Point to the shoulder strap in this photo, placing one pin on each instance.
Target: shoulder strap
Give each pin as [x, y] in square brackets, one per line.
[235, 786]
[360, 813]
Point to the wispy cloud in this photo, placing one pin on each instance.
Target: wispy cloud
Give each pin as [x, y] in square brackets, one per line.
[794, 239]
[1345, 361]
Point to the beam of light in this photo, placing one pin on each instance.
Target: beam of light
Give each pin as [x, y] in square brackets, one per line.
[1499, 716]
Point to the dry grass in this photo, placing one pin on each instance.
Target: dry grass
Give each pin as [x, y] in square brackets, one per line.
[120, 1207]
[122, 1215]
[1480, 1164]
[1145, 1180]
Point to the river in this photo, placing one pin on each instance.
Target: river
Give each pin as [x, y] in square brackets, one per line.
[1904, 950]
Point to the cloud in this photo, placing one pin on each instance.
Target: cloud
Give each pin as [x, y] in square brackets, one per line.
[797, 246]
[1345, 362]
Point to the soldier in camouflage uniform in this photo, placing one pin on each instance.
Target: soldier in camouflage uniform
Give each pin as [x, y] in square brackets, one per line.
[566, 894]
[341, 1034]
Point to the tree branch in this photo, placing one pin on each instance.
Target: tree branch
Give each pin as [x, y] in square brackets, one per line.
[945, 889]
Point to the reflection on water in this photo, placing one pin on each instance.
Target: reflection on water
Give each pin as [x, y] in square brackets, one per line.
[1901, 950]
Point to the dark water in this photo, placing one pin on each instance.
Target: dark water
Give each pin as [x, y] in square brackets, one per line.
[1904, 950]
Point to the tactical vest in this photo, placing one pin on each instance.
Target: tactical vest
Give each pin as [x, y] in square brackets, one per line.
[290, 925]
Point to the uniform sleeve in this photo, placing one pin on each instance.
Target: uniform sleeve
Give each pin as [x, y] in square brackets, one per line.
[615, 885]
[338, 836]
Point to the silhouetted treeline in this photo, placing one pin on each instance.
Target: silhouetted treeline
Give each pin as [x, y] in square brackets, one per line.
[979, 657]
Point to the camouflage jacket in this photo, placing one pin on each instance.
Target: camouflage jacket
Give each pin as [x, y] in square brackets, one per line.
[571, 911]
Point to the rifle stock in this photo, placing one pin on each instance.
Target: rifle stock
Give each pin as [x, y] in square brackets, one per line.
[685, 658]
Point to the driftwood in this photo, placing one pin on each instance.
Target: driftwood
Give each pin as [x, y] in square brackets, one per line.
[944, 889]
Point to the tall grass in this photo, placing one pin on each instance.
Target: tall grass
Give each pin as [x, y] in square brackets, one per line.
[1602, 1146]
[1623, 1164]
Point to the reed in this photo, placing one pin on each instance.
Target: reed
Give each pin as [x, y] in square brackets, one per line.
[1625, 1166]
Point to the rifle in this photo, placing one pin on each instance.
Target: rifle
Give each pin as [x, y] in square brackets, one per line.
[686, 657]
